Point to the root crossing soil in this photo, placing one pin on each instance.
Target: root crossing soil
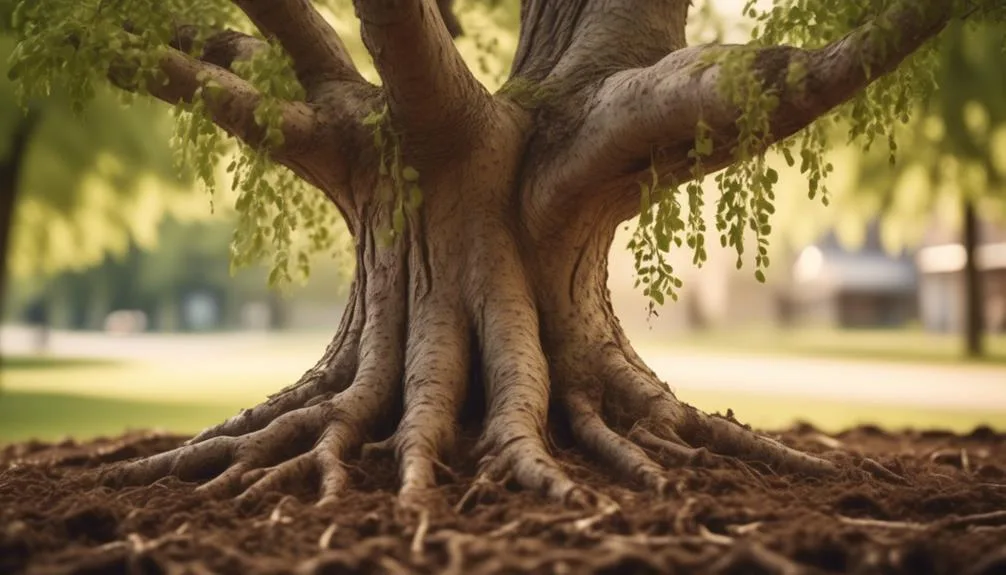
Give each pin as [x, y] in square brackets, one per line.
[950, 518]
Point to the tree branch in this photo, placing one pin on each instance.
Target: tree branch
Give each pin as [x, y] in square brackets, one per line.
[659, 107]
[429, 87]
[231, 105]
[222, 48]
[319, 55]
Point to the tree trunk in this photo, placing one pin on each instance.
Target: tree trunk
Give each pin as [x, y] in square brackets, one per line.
[490, 304]
[470, 285]
[10, 178]
[974, 300]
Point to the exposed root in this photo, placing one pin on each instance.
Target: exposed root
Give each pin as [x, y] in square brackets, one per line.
[990, 519]
[479, 490]
[674, 428]
[332, 374]
[749, 557]
[311, 441]
[517, 388]
[528, 462]
[305, 435]
[624, 455]
[436, 379]
[395, 354]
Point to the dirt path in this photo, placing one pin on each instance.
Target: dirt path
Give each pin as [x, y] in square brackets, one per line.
[950, 519]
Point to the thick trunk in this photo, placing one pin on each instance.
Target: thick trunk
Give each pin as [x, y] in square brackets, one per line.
[467, 286]
[974, 300]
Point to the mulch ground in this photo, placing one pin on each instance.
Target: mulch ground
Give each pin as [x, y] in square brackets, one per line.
[951, 518]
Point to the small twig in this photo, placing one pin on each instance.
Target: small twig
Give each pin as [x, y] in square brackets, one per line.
[965, 461]
[418, 540]
[110, 546]
[826, 440]
[991, 518]
[277, 513]
[276, 516]
[325, 541]
[987, 529]
[683, 515]
[446, 470]
[714, 538]
[610, 508]
[882, 524]
[454, 541]
[505, 529]
[664, 540]
[136, 544]
[478, 485]
[744, 529]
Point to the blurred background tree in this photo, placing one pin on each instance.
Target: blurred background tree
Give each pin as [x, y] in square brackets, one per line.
[76, 184]
[950, 170]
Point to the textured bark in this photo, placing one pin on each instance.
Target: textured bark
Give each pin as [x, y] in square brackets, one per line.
[497, 288]
[318, 53]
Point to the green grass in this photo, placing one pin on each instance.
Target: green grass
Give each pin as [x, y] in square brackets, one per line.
[50, 416]
[901, 345]
[234, 380]
[21, 362]
[50, 398]
[773, 412]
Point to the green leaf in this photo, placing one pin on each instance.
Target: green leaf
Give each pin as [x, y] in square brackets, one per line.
[415, 197]
[410, 174]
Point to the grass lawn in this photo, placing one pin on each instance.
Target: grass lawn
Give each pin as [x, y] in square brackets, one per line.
[51, 416]
[86, 399]
[902, 345]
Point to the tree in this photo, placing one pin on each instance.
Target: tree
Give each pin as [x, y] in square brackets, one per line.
[482, 221]
[84, 184]
[953, 164]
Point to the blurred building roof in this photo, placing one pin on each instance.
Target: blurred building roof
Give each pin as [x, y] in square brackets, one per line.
[829, 267]
[950, 258]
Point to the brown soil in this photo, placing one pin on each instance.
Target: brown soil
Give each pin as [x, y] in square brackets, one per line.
[950, 519]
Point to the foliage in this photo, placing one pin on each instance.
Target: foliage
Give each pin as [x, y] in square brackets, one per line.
[956, 144]
[404, 196]
[748, 186]
[292, 224]
[91, 182]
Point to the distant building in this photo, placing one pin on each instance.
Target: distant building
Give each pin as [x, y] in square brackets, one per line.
[834, 286]
[941, 290]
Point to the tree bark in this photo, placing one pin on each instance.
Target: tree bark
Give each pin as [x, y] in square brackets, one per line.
[496, 288]
[974, 297]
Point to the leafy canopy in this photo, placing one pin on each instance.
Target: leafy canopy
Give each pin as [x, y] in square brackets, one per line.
[90, 181]
[747, 188]
[955, 146]
[282, 216]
